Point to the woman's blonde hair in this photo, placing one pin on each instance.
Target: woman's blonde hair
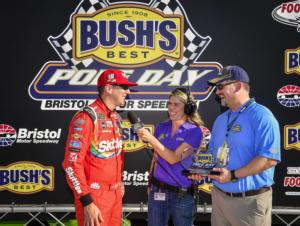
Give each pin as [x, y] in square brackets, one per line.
[184, 96]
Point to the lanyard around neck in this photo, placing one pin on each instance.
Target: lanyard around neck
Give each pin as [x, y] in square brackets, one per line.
[229, 125]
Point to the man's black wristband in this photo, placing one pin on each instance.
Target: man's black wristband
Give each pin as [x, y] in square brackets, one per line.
[86, 200]
[233, 177]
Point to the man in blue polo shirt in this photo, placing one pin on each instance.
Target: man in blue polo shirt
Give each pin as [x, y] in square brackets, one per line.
[248, 134]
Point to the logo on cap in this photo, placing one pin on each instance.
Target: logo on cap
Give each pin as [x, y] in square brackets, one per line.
[111, 77]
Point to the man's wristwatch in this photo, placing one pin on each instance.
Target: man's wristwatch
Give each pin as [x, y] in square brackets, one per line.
[233, 177]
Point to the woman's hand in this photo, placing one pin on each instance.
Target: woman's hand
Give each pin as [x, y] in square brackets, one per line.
[144, 134]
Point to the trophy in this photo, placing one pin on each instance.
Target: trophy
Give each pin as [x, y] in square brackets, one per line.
[203, 162]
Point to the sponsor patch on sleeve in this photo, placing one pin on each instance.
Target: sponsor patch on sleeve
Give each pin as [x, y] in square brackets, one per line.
[72, 157]
[78, 129]
[75, 144]
[76, 135]
[74, 149]
[79, 122]
[100, 116]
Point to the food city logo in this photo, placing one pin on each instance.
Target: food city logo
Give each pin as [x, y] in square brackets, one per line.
[288, 13]
[292, 61]
[292, 137]
[292, 181]
[26, 177]
[289, 96]
[154, 44]
[135, 178]
[131, 141]
[9, 135]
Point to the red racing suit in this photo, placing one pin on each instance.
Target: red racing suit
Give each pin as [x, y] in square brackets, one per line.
[93, 161]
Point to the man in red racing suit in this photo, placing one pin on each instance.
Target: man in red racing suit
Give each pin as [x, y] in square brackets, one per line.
[93, 160]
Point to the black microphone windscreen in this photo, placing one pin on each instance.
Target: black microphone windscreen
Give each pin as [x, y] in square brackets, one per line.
[135, 121]
[132, 117]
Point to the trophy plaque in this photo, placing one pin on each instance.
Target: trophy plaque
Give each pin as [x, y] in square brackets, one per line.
[203, 162]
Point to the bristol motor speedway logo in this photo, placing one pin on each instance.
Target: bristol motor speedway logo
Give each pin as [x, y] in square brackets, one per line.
[154, 44]
[135, 178]
[288, 13]
[9, 135]
[289, 96]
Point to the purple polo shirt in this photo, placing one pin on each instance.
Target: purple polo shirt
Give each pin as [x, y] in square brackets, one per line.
[186, 133]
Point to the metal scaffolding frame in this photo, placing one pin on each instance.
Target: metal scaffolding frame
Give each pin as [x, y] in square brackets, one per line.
[35, 210]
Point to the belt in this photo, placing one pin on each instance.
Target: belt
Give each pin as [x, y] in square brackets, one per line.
[106, 187]
[246, 193]
[172, 188]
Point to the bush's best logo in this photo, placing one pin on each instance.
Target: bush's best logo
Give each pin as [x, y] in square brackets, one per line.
[25, 136]
[154, 44]
[292, 136]
[292, 61]
[288, 13]
[26, 177]
[117, 34]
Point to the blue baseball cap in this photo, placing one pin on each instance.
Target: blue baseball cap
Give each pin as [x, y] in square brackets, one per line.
[235, 73]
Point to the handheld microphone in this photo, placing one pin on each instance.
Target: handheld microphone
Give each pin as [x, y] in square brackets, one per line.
[135, 121]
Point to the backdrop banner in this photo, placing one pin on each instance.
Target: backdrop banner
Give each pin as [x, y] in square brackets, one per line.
[54, 51]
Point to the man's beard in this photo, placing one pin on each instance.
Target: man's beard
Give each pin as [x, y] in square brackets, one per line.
[223, 102]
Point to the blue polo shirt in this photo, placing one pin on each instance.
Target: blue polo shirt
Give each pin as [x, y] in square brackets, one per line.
[254, 133]
[186, 133]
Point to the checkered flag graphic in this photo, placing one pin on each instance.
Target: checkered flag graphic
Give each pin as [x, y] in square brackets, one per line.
[63, 43]
[298, 21]
[194, 44]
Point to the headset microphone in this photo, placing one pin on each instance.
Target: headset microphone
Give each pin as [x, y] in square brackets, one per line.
[135, 121]
[191, 105]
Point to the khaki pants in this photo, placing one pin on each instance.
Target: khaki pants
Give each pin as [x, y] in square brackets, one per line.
[241, 211]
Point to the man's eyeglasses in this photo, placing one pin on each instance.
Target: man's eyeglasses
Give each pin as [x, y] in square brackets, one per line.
[125, 87]
[221, 86]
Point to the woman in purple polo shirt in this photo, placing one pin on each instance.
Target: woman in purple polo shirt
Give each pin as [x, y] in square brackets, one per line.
[174, 142]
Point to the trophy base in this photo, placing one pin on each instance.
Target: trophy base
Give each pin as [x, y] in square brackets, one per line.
[201, 171]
